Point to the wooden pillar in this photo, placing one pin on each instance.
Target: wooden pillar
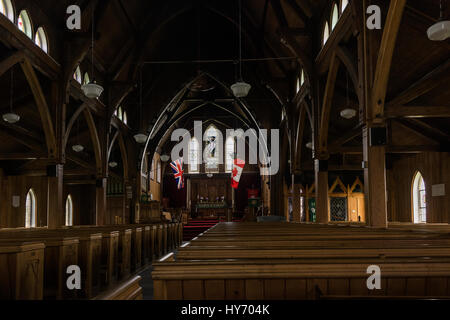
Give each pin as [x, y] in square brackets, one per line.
[296, 203]
[100, 201]
[374, 143]
[55, 211]
[321, 176]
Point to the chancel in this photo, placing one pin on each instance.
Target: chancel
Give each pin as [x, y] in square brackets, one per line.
[217, 150]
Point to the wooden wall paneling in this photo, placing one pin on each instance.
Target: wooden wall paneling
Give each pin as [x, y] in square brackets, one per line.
[254, 289]
[215, 289]
[193, 290]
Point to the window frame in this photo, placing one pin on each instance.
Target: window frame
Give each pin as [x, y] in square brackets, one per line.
[77, 75]
[333, 22]
[8, 10]
[194, 167]
[27, 23]
[228, 164]
[41, 35]
[30, 209]
[69, 214]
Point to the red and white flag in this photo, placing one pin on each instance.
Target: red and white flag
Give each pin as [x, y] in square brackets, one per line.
[238, 167]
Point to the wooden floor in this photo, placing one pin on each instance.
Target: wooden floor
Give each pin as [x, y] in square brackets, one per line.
[301, 261]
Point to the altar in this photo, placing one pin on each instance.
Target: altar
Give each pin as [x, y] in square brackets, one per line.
[210, 210]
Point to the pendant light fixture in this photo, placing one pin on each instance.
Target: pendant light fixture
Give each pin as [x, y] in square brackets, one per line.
[240, 88]
[165, 158]
[348, 113]
[11, 117]
[78, 147]
[92, 89]
[439, 31]
[140, 137]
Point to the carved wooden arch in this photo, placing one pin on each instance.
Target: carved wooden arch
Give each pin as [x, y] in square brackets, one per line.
[326, 107]
[95, 139]
[356, 183]
[71, 123]
[41, 103]
[349, 62]
[123, 153]
[338, 182]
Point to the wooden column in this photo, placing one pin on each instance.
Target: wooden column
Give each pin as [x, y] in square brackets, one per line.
[321, 176]
[375, 176]
[100, 201]
[55, 208]
[296, 203]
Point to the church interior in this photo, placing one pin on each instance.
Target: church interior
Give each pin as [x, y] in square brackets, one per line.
[120, 180]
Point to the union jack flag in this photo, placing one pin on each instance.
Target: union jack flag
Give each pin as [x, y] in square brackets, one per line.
[177, 168]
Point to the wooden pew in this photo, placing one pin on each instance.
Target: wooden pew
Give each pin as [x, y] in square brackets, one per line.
[22, 270]
[285, 261]
[298, 279]
[60, 252]
[127, 290]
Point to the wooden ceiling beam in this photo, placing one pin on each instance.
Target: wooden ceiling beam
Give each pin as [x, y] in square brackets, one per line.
[384, 62]
[23, 156]
[433, 79]
[417, 112]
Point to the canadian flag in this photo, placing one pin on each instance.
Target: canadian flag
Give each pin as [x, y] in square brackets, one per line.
[238, 167]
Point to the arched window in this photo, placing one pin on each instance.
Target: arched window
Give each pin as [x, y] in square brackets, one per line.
[158, 172]
[326, 33]
[125, 117]
[344, 5]
[24, 24]
[211, 154]
[6, 9]
[77, 75]
[334, 16]
[30, 210]
[297, 89]
[41, 39]
[69, 211]
[193, 155]
[152, 170]
[120, 114]
[302, 78]
[419, 199]
[86, 79]
[229, 154]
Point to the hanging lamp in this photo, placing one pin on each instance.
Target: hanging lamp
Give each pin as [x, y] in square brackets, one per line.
[140, 137]
[240, 88]
[92, 89]
[11, 117]
[165, 158]
[439, 31]
[348, 113]
[78, 147]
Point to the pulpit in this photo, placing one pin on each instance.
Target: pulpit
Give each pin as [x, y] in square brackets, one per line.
[148, 212]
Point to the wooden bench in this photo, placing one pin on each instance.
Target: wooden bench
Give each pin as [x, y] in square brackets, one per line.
[22, 270]
[293, 261]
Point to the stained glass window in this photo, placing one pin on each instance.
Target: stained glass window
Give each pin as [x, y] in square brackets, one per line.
[77, 75]
[193, 156]
[229, 154]
[24, 24]
[86, 79]
[419, 199]
[41, 39]
[158, 172]
[125, 117]
[30, 210]
[6, 9]
[334, 17]
[326, 33]
[211, 154]
[344, 4]
[69, 211]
